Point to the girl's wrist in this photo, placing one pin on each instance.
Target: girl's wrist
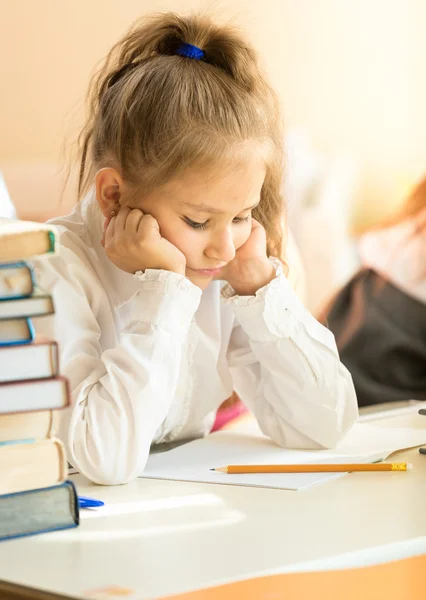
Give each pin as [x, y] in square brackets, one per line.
[256, 277]
[179, 269]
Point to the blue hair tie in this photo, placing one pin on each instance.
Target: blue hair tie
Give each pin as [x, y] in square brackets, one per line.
[190, 51]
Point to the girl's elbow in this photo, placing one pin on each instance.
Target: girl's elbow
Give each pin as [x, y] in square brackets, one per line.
[108, 478]
[108, 474]
[109, 467]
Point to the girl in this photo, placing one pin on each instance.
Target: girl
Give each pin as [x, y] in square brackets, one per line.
[180, 173]
[379, 318]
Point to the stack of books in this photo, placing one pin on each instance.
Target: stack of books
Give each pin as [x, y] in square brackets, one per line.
[34, 493]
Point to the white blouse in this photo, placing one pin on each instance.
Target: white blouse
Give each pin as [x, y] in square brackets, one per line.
[150, 357]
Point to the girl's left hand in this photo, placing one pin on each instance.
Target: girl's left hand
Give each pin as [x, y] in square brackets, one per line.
[250, 270]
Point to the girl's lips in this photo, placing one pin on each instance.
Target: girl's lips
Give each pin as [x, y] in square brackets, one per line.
[208, 272]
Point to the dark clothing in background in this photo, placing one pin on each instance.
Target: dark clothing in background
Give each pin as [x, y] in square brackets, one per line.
[381, 336]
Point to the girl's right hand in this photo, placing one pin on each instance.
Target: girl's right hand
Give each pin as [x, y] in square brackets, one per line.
[133, 242]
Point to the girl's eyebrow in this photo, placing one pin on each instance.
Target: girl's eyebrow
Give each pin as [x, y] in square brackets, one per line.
[210, 209]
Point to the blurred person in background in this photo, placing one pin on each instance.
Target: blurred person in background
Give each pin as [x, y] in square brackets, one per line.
[379, 317]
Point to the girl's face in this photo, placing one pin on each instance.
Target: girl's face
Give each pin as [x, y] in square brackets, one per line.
[207, 215]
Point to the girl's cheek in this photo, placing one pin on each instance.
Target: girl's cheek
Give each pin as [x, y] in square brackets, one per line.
[242, 236]
[180, 236]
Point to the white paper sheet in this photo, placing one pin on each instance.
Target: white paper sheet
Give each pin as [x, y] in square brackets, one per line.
[193, 461]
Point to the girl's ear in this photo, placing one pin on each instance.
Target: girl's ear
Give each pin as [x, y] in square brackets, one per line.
[109, 189]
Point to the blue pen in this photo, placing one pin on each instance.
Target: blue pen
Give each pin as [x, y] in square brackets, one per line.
[86, 502]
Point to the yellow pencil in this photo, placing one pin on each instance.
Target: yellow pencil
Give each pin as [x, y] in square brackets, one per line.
[315, 468]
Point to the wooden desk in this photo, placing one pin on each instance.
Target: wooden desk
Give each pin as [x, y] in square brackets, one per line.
[163, 537]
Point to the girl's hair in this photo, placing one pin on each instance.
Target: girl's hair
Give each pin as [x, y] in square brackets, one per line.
[153, 113]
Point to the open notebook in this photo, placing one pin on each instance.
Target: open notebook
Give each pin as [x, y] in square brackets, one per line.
[192, 461]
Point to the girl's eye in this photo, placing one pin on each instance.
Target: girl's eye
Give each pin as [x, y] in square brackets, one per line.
[242, 219]
[194, 224]
[204, 225]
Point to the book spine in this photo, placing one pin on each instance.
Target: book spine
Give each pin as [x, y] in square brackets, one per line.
[27, 340]
[19, 265]
[53, 241]
[62, 458]
[31, 330]
[13, 442]
[27, 426]
[66, 391]
[39, 531]
[72, 521]
[31, 311]
[15, 265]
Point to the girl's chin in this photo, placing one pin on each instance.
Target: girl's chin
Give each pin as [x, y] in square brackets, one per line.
[198, 280]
